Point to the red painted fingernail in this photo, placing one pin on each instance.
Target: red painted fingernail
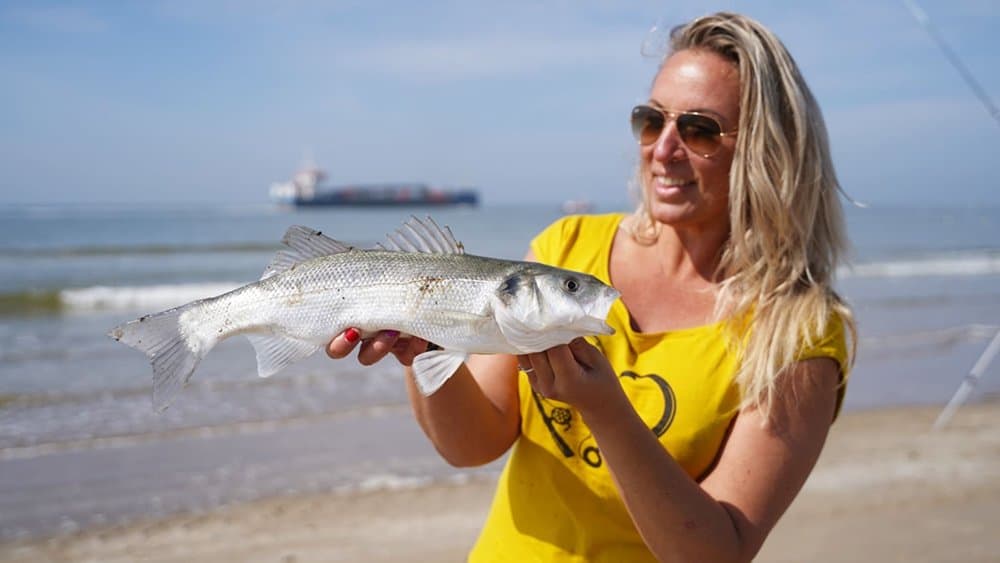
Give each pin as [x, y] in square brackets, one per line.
[352, 335]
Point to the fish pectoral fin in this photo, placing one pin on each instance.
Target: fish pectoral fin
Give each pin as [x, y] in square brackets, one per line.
[276, 352]
[431, 369]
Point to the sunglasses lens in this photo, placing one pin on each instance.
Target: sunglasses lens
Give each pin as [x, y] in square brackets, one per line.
[647, 124]
[700, 133]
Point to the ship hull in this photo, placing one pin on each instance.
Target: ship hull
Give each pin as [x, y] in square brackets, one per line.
[378, 199]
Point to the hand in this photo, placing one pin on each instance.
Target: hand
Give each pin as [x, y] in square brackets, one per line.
[377, 347]
[576, 373]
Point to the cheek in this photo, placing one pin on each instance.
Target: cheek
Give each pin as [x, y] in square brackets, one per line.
[645, 157]
[715, 178]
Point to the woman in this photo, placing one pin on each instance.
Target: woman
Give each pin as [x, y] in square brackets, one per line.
[685, 435]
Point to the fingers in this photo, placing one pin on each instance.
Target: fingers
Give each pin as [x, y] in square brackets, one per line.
[585, 353]
[376, 348]
[343, 344]
[372, 349]
[558, 372]
[539, 372]
[406, 349]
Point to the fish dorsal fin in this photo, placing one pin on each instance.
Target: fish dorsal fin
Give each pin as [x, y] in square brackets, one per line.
[424, 236]
[303, 244]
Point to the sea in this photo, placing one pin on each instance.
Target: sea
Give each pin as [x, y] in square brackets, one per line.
[82, 447]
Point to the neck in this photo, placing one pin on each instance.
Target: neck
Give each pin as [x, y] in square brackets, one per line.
[688, 253]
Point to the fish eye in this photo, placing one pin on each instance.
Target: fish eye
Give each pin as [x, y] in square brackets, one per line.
[571, 285]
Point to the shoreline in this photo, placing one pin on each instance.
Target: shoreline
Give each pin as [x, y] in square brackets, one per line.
[886, 488]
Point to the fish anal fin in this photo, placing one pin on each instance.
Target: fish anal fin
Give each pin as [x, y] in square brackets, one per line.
[276, 352]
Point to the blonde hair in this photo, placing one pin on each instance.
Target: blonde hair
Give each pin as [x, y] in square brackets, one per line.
[787, 231]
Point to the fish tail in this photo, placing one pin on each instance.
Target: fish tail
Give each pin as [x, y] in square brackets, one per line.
[173, 355]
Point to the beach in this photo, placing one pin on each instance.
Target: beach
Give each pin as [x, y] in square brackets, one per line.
[886, 488]
[324, 462]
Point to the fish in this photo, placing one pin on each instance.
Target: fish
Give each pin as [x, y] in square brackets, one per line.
[419, 282]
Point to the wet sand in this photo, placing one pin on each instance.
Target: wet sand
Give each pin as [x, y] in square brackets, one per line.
[885, 489]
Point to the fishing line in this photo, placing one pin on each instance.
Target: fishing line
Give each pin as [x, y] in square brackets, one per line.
[924, 20]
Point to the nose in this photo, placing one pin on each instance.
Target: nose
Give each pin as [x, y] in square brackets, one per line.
[668, 147]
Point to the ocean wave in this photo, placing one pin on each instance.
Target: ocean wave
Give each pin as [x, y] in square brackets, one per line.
[164, 296]
[141, 297]
[136, 250]
[965, 264]
[20, 447]
[929, 339]
[109, 298]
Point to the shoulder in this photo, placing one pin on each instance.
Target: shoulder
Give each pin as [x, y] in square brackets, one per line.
[834, 340]
[574, 230]
[827, 338]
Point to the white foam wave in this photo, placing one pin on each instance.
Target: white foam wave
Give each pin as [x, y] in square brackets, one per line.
[930, 339]
[166, 296]
[140, 297]
[958, 265]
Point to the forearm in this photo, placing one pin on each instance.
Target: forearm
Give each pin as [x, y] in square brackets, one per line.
[676, 518]
[465, 426]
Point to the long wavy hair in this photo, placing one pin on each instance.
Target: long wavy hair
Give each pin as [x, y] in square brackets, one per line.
[787, 230]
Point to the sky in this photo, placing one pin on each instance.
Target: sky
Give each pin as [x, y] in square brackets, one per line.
[210, 101]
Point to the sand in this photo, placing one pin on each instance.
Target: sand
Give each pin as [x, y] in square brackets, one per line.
[885, 489]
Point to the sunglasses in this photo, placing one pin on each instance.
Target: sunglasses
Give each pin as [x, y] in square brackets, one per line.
[700, 133]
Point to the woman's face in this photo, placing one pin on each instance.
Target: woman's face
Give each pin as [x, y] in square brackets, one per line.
[683, 188]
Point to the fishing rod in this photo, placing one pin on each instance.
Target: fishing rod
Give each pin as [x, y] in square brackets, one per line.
[968, 383]
[925, 21]
[976, 373]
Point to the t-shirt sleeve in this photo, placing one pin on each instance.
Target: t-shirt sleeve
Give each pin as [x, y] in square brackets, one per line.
[832, 343]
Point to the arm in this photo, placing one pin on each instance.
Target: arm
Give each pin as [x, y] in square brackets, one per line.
[761, 468]
[473, 418]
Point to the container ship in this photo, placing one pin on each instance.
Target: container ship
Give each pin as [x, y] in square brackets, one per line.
[304, 190]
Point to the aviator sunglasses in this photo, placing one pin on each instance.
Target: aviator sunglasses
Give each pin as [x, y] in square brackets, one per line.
[700, 133]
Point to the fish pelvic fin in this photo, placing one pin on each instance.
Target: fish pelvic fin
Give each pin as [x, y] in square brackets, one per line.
[276, 351]
[431, 369]
[302, 244]
[173, 356]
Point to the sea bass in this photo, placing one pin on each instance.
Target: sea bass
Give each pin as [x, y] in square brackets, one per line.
[420, 282]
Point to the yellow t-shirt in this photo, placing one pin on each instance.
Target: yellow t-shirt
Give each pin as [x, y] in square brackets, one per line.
[555, 500]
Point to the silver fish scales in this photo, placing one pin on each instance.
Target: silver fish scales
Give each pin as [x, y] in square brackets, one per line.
[419, 282]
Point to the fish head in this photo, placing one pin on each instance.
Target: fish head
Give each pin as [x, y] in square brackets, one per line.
[540, 306]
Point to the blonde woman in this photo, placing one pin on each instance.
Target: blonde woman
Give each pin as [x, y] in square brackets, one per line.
[686, 434]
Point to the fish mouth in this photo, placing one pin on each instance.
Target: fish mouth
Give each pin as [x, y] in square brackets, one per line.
[598, 312]
[603, 328]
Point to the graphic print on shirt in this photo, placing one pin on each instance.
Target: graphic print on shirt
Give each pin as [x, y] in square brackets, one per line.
[560, 419]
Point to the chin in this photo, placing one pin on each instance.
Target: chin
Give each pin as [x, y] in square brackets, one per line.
[670, 213]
